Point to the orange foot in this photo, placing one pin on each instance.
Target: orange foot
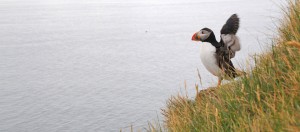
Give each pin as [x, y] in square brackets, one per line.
[219, 82]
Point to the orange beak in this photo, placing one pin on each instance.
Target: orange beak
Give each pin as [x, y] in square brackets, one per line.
[195, 37]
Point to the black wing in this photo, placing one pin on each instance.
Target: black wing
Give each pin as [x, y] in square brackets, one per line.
[231, 26]
[230, 44]
[224, 62]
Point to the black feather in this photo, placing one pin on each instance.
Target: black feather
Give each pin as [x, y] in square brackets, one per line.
[224, 62]
[231, 26]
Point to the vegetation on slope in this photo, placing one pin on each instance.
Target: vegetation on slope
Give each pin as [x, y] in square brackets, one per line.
[267, 99]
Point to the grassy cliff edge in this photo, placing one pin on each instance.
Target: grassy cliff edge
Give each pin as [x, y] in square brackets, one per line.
[267, 99]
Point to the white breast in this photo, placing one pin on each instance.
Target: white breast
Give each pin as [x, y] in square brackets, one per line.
[207, 55]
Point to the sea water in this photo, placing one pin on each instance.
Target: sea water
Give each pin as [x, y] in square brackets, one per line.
[104, 65]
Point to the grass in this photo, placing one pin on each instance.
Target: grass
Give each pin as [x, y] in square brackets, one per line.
[267, 99]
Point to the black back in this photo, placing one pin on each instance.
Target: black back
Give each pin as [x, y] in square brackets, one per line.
[224, 62]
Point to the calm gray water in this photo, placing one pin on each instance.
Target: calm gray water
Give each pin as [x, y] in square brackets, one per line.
[101, 65]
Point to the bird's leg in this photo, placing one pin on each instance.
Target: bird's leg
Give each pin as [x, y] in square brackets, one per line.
[219, 82]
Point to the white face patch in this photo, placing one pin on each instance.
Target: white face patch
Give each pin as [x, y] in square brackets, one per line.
[203, 34]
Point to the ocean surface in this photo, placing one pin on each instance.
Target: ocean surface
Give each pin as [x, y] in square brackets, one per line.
[103, 65]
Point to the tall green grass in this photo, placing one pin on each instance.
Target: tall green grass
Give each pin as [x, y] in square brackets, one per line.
[267, 99]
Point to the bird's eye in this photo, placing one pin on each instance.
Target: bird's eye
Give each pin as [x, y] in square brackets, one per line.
[202, 32]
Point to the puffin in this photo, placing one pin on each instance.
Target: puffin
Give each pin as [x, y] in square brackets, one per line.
[216, 56]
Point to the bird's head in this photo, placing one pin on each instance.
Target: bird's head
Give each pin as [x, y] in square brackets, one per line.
[204, 35]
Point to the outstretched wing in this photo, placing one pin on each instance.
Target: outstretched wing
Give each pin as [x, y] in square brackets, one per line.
[228, 37]
[229, 45]
[231, 26]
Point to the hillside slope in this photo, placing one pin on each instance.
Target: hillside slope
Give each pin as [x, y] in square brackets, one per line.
[267, 99]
